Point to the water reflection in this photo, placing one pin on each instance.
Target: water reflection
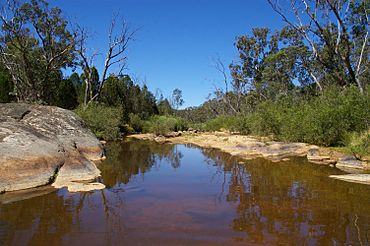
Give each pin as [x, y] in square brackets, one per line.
[287, 202]
[181, 195]
[131, 157]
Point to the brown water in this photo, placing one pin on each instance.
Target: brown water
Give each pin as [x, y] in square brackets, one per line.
[182, 195]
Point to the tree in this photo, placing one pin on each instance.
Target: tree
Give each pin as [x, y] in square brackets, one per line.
[337, 35]
[177, 100]
[231, 98]
[35, 44]
[6, 87]
[66, 95]
[118, 41]
[121, 91]
[148, 103]
[268, 65]
[164, 107]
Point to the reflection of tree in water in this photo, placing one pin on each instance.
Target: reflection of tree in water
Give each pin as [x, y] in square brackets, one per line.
[51, 219]
[129, 158]
[47, 219]
[287, 202]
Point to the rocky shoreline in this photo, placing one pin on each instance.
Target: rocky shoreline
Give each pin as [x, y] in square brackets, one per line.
[248, 147]
[41, 145]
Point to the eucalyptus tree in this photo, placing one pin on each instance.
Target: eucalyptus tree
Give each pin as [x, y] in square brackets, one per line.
[269, 64]
[337, 34]
[35, 45]
[177, 100]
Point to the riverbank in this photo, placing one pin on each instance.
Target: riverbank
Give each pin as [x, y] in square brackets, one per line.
[249, 147]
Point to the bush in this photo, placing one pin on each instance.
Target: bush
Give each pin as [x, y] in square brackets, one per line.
[162, 125]
[231, 123]
[359, 144]
[323, 120]
[104, 121]
[136, 122]
[266, 121]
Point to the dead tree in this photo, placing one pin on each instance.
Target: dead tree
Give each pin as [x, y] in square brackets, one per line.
[224, 94]
[118, 41]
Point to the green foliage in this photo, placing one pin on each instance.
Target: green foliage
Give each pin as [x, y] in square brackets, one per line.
[162, 125]
[164, 107]
[266, 120]
[231, 123]
[323, 120]
[66, 95]
[6, 86]
[136, 122]
[177, 100]
[359, 144]
[326, 119]
[104, 121]
[40, 45]
[121, 91]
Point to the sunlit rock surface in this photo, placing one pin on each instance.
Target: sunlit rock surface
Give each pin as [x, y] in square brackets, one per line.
[40, 145]
[355, 178]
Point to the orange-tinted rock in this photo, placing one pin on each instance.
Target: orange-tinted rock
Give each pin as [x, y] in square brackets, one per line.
[39, 142]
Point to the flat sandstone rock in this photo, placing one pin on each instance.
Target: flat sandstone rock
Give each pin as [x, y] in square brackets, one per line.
[43, 144]
[356, 178]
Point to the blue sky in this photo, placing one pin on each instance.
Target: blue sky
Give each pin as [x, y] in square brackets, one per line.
[177, 40]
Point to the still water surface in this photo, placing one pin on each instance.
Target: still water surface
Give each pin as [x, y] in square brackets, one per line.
[183, 195]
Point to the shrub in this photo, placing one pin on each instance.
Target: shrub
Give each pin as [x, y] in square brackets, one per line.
[136, 122]
[104, 121]
[266, 121]
[323, 120]
[162, 125]
[231, 123]
[359, 144]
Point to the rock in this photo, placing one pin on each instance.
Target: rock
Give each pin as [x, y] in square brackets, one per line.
[313, 156]
[313, 151]
[318, 158]
[20, 195]
[42, 144]
[160, 139]
[349, 162]
[173, 134]
[330, 162]
[356, 178]
[366, 165]
[82, 187]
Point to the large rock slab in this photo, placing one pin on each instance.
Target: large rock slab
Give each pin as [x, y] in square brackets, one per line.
[42, 144]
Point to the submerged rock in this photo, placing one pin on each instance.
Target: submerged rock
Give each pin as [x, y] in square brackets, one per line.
[43, 144]
[20, 195]
[79, 186]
